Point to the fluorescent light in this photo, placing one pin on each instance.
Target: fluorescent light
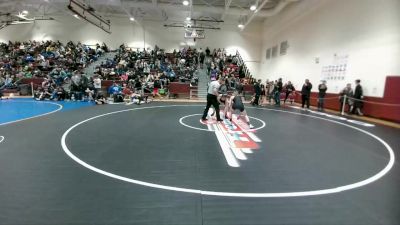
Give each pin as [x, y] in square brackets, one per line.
[186, 2]
[132, 19]
[253, 7]
[23, 16]
[25, 12]
[241, 26]
[188, 18]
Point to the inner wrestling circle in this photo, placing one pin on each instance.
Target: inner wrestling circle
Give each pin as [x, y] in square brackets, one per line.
[182, 122]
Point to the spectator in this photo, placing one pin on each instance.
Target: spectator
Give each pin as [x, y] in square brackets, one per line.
[100, 99]
[278, 90]
[97, 83]
[322, 88]
[289, 89]
[348, 92]
[89, 93]
[257, 92]
[358, 96]
[306, 93]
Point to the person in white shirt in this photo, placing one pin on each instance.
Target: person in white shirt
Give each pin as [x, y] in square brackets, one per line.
[97, 83]
[212, 94]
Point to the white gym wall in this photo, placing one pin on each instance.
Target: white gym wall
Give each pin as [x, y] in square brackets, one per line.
[368, 31]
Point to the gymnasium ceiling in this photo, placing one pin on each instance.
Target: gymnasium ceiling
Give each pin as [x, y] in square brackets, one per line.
[167, 11]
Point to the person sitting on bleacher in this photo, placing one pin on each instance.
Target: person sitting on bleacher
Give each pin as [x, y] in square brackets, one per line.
[59, 94]
[156, 86]
[89, 93]
[115, 92]
[44, 94]
[100, 99]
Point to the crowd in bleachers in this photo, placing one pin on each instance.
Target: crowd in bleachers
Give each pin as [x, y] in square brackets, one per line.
[52, 60]
[139, 73]
[134, 72]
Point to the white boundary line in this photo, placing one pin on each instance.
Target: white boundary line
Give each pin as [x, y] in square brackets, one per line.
[59, 108]
[203, 129]
[1, 139]
[358, 184]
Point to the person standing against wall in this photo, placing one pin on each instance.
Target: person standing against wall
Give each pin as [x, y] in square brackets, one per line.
[348, 92]
[322, 88]
[358, 96]
[305, 94]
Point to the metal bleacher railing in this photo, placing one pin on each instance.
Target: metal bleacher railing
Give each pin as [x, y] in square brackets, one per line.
[243, 65]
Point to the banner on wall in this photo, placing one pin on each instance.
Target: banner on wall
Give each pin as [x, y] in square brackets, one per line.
[337, 70]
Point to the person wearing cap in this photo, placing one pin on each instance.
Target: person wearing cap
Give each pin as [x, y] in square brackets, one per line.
[212, 94]
[234, 105]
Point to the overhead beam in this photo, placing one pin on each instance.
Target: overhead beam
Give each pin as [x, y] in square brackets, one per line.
[194, 27]
[146, 5]
[84, 12]
[207, 20]
[272, 12]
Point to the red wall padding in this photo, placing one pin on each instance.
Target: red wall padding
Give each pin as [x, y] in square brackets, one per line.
[179, 88]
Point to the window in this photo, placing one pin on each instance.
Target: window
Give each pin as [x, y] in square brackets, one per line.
[284, 47]
[269, 53]
[274, 51]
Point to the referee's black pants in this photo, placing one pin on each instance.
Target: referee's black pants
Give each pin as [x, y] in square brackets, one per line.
[211, 101]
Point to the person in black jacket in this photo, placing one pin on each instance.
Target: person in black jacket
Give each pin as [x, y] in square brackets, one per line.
[289, 89]
[358, 96]
[278, 90]
[257, 91]
[322, 88]
[305, 93]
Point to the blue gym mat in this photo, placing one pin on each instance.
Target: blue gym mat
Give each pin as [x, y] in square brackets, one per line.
[23, 108]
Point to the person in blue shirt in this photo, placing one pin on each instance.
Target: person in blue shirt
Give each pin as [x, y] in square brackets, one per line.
[114, 89]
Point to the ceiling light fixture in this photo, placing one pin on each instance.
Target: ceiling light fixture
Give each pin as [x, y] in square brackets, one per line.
[188, 18]
[241, 26]
[76, 16]
[186, 2]
[253, 7]
[132, 19]
[25, 12]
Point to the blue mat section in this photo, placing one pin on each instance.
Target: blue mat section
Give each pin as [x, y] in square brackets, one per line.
[17, 109]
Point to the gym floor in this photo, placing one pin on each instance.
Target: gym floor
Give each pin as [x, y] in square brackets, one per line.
[157, 164]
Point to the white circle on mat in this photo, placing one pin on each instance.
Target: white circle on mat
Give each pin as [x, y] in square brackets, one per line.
[338, 189]
[181, 121]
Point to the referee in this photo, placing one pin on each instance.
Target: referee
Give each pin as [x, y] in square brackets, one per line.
[212, 94]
